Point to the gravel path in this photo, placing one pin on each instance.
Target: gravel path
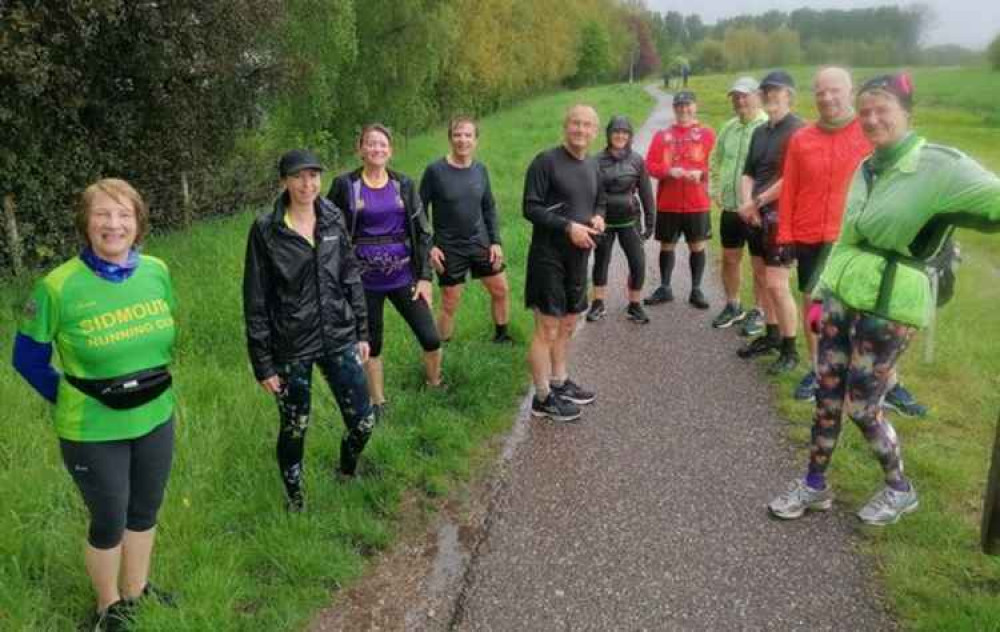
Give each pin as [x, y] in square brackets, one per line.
[650, 514]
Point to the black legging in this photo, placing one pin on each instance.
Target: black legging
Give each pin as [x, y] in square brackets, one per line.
[632, 245]
[122, 481]
[416, 313]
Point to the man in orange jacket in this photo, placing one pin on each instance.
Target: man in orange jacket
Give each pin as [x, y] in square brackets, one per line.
[678, 159]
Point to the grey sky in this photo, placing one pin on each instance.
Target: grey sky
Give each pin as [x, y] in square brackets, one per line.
[971, 23]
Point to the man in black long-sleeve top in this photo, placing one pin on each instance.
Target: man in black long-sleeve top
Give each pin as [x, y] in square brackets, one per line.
[457, 190]
[564, 200]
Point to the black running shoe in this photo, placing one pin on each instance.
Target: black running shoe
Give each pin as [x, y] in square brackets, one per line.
[503, 339]
[596, 311]
[758, 347]
[152, 593]
[117, 618]
[697, 299]
[571, 391]
[554, 408]
[662, 294]
[636, 314]
[295, 503]
[786, 362]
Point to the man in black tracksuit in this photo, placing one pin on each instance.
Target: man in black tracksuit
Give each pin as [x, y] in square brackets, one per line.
[564, 201]
[303, 304]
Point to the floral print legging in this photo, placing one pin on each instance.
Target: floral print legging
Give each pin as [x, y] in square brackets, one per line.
[345, 376]
[856, 355]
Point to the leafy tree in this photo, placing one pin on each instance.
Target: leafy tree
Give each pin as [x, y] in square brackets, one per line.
[710, 56]
[993, 52]
[593, 61]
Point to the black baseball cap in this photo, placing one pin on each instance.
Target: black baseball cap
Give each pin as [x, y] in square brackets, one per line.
[777, 79]
[684, 96]
[296, 160]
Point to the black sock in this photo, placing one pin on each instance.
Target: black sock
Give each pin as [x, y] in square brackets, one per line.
[772, 332]
[788, 345]
[633, 304]
[697, 263]
[666, 267]
[596, 302]
[502, 329]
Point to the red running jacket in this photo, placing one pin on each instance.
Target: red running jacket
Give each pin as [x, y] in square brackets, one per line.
[687, 148]
[817, 172]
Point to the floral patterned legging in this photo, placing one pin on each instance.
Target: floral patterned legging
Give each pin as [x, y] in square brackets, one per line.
[345, 376]
[856, 355]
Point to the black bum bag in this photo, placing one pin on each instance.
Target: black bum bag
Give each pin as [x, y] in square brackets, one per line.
[126, 391]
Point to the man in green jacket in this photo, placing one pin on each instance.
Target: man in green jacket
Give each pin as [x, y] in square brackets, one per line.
[726, 171]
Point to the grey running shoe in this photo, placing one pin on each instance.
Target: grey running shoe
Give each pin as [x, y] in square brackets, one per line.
[903, 402]
[753, 324]
[555, 408]
[697, 299]
[596, 311]
[785, 363]
[887, 506]
[729, 316]
[662, 294]
[571, 391]
[806, 390]
[636, 314]
[799, 499]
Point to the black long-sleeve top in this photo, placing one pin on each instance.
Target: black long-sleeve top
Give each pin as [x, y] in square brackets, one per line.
[560, 188]
[460, 201]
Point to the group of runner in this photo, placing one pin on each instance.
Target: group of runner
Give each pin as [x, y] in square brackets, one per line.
[857, 201]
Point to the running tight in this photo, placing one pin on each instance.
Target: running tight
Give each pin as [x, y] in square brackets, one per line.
[416, 313]
[631, 243]
[857, 353]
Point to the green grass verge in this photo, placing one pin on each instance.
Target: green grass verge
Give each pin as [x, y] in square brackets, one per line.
[226, 546]
[936, 576]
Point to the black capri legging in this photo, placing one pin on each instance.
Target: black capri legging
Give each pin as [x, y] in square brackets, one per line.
[122, 481]
[416, 313]
[631, 243]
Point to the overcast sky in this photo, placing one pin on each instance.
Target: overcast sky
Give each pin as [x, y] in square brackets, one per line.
[971, 23]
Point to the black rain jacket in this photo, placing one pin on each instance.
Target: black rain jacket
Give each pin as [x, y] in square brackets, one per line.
[627, 187]
[300, 302]
[418, 237]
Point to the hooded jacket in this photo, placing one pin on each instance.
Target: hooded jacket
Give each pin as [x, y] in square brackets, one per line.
[300, 301]
[905, 212]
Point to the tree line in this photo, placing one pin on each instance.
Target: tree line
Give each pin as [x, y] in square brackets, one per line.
[192, 100]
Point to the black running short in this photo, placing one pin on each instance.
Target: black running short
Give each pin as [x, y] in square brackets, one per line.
[811, 258]
[694, 226]
[733, 231]
[458, 264]
[556, 281]
[763, 242]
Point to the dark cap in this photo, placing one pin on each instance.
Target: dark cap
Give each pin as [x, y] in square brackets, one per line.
[898, 85]
[684, 96]
[777, 79]
[296, 160]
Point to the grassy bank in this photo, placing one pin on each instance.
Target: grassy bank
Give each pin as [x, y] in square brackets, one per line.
[235, 559]
[936, 576]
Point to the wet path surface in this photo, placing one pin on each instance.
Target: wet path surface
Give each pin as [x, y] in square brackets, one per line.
[650, 514]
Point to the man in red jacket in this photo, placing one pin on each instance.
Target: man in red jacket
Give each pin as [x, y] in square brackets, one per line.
[678, 158]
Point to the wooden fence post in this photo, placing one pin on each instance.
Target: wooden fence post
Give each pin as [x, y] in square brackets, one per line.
[13, 238]
[991, 504]
[187, 213]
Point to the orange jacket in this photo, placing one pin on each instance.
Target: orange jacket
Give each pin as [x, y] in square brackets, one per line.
[687, 148]
[817, 172]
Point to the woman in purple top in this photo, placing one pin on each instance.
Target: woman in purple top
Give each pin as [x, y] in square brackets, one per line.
[392, 241]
